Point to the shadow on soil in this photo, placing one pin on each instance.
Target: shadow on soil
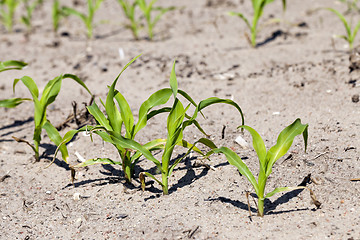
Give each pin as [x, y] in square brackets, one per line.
[14, 125]
[269, 206]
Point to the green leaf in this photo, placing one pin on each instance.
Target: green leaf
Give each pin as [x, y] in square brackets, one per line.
[242, 17]
[153, 145]
[173, 81]
[126, 114]
[284, 143]
[55, 137]
[30, 84]
[158, 98]
[12, 102]
[110, 105]
[282, 189]
[95, 111]
[191, 147]
[259, 146]
[342, 18]
[12, 65]
[94, 161]
[213, 100]
[78, 80]
[71, 11]
[236, 161]
[131, 144]
[152, 176]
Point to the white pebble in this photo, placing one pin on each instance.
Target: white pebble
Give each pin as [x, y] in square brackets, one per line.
[239, 140]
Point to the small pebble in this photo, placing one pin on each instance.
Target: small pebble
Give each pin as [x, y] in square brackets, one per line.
[239, 140]
[355, 98]
[78, 222]
[48, 192]
[76, 196]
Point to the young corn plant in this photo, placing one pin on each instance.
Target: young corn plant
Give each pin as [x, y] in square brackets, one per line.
[129, 11]
[350, 34]
[267, 159]
[93, 6]
[258, 8]
[49, 95]
[30, 7]
[110, 127]
[177, 121]
[7, 12]
[147, 10]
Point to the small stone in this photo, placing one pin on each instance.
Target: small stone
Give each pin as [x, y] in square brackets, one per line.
[239, 140]
[77, 196]
[78, 222]
[355, 98]
[48, 192]
[121, 216]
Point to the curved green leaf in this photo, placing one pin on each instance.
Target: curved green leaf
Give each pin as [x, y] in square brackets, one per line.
[12, 102]
[94, 161]
[342, 18]
[284, 143]
[283, 189]
[95, 111]
[55, 137]
[110, 105]
[158, 98]
[259, 146]
[236, 161]
[12, 65]
[126, 114]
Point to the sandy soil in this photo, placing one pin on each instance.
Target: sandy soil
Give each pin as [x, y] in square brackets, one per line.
[302, 72]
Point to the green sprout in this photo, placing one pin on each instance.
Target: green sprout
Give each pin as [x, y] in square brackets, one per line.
[258, 8]
[7, 12]
[177, 121]
[110, 127]
[147, 9]
[30, 7]
[350, 34]
[49, 95]
[129, 11]
[267, 159]
[93, 6]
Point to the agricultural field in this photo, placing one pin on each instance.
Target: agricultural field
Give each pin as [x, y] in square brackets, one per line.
[125, 166]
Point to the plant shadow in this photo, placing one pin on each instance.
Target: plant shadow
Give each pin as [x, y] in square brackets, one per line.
[272, 38]
[16, 123]
[269, 206]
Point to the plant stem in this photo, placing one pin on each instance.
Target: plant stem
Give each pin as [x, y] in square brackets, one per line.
[165, 181]
[261, 206]
[37, 156]
[126, 166]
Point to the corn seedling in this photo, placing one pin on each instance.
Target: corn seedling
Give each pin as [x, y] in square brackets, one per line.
[49, 95]
[267, 159]
[147, 9]
[110, 127]
[177, 121]
[29, 7]
[258, 8]
[129, 11]
[93, 6]
[7, 12]
[350, 34]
